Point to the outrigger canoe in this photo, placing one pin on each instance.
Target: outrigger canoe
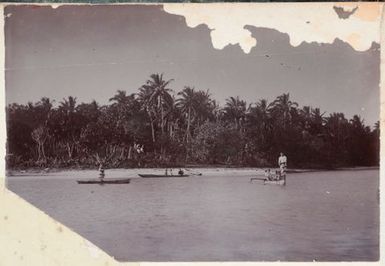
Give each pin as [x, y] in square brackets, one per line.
[105, 181]
[159, 176]
[266, 181]
[280, 182]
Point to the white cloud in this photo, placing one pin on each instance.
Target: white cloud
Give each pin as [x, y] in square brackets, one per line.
[311, 22]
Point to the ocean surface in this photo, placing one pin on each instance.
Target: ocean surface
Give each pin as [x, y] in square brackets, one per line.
[219, 216]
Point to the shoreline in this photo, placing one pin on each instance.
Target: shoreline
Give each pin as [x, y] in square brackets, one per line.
[209, 168]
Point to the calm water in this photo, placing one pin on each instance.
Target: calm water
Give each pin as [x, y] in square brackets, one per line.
[326, 216]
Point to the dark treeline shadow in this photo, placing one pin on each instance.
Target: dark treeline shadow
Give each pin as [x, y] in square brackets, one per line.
[156, 127]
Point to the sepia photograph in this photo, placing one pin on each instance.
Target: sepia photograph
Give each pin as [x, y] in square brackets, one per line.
[199, 132]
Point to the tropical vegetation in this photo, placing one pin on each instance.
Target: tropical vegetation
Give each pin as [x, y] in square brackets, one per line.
[157, 127]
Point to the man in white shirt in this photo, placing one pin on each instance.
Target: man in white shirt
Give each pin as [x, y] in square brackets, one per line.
[282, 162]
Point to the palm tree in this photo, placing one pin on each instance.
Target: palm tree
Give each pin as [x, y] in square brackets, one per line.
[235, 109]
[173, 117]
[46, 103]
[187, 106]
[205, 107]
[263, 111]
[305, 113]
[216, 111]
[305, 119]
[144, 99]
[156, 95]
[258, 123]
[68, 105]
[357, 123]
[42, 111]
[337, 130]
[88, 111]
[124, 104]
[70, 125]
[263, 108]
[317, 121]
[283, 107]
[121, 98]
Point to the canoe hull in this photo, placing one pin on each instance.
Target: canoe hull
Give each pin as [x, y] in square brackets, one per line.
[105, 181]
[160, 176]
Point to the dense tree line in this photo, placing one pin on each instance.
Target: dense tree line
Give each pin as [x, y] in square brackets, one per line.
[156, 127]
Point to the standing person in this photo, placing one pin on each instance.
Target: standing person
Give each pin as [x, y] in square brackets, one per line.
[282, 163]
[101, 171]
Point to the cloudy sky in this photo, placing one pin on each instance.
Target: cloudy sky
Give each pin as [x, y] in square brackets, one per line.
[90, 52]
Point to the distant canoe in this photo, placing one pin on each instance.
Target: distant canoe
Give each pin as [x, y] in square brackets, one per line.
[105, 181]
[280, 182]
[270, 182]
[160, 176]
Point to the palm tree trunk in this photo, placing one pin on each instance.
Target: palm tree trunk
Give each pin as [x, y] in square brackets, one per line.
[69, 150]
[161, 113]
[188, 125]
[129, 152]
[152, 125]
[122, 152]
[152, 131]
[38, 152]
[42, 151]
